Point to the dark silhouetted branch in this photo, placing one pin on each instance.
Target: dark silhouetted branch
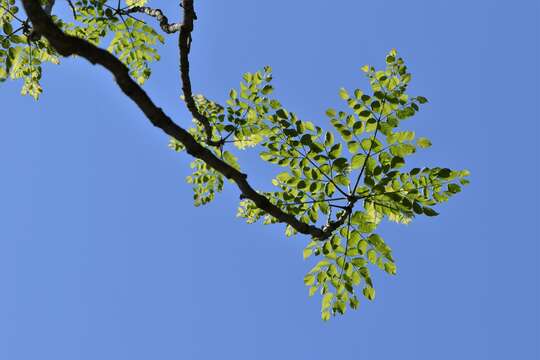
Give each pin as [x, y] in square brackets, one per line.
[67, 45]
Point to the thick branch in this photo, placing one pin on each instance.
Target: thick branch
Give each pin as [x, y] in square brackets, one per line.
[67, 45]
[158, 14]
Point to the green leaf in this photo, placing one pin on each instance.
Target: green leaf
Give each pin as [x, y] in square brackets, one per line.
[372, 256]
[335, 151]
[325, 315]
[353, 146]
[331, 112]
[369, 292]
[454, 188]
[342, 180]
[309, 279]
[423, 142]
[329, 189]
[329, 139]
[327, 300]
[390, 268]
[344, 94]
[267, 89]
[340, 164]
[231, 160]
[444, 173]
[357, 161]
[362, 246]
[421, 99]
[282, 113]
[430, 212]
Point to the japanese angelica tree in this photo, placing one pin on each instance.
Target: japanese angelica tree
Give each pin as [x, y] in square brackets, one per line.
[338, 179]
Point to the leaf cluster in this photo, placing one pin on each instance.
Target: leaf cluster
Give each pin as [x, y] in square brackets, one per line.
[132, 40]
[349, 178]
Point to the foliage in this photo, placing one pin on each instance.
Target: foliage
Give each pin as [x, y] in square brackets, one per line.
[358, 166]
[131, 40]
[345, 177]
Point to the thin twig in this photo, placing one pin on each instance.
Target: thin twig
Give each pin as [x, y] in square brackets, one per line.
[12, 14]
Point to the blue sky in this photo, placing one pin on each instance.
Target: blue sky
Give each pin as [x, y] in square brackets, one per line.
[103, 256]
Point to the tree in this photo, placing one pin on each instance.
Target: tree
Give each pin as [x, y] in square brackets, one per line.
[337, 185]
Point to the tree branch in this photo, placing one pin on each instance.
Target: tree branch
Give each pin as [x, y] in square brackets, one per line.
[184, 44]
[67, 45]
[158, 14]
[73, 10]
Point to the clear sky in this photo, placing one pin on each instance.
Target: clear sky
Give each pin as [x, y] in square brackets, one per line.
[103, 256]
